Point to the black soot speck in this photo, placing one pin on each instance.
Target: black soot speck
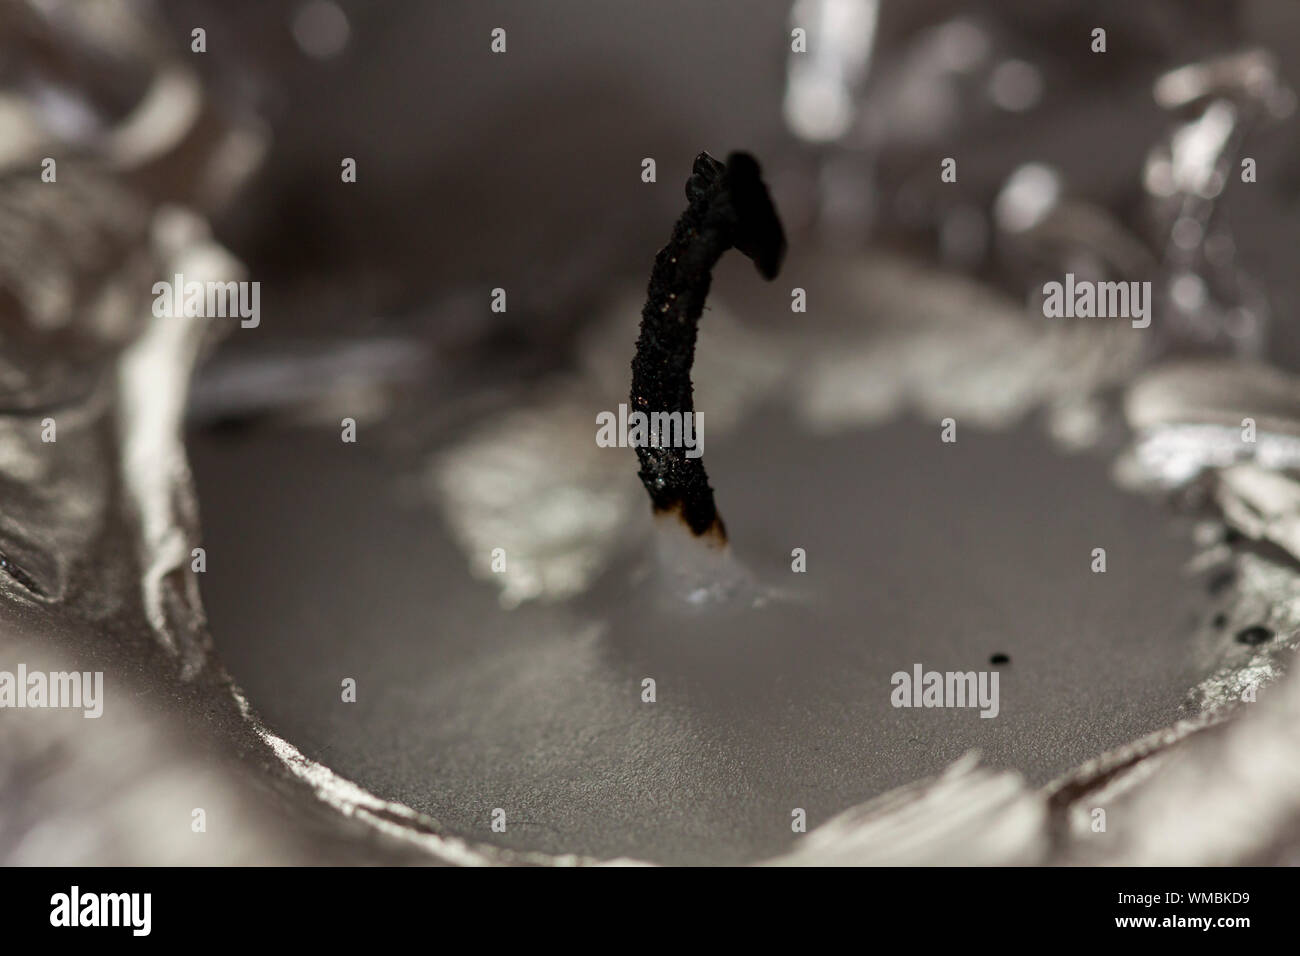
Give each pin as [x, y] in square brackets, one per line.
[1255, 634]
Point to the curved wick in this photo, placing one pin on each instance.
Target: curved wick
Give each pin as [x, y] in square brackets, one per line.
[728, 206]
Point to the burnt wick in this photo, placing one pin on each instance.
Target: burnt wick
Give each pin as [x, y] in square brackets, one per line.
[728, 207]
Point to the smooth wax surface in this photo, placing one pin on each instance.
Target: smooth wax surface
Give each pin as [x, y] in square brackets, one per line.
[918, 552]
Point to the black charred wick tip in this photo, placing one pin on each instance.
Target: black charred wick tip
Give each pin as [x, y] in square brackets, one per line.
[728, 206]
[759, 234]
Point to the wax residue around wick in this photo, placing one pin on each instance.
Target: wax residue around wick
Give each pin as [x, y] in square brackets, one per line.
[728, 206]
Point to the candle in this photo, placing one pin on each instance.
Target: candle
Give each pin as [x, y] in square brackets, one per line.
[527, 692]
[998, 583]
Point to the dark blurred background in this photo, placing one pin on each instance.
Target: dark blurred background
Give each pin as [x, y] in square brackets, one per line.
[521, 170]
